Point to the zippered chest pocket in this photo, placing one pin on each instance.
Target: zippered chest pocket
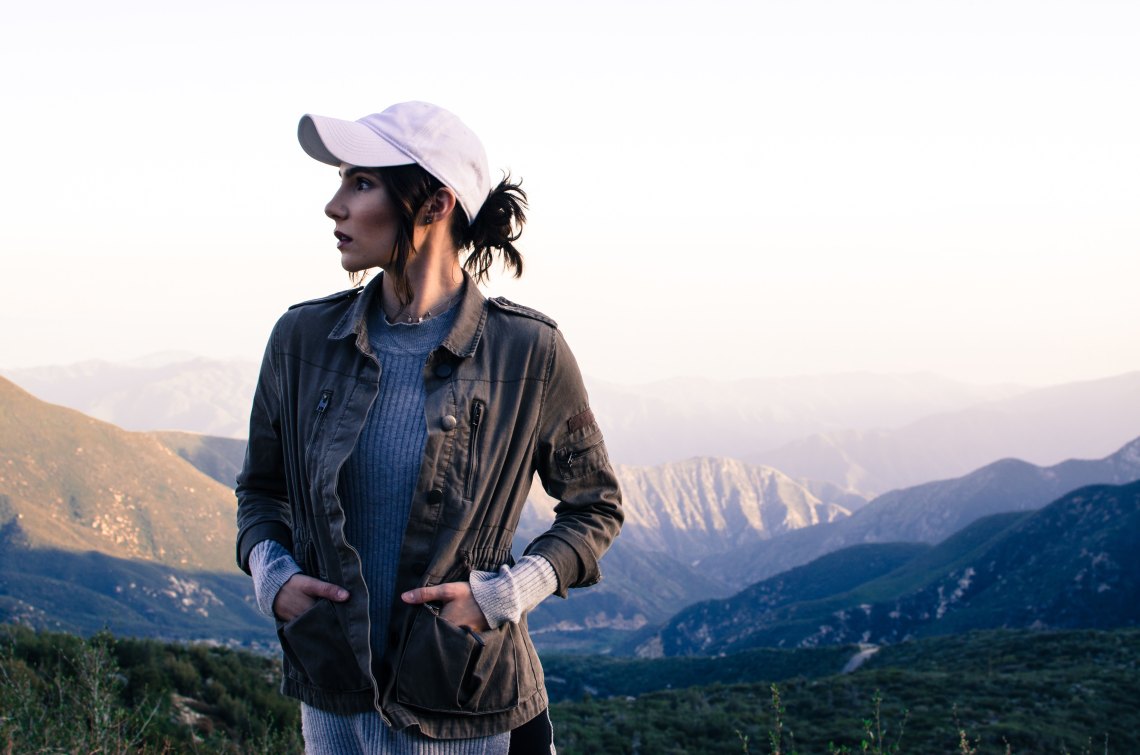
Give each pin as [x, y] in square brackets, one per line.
[319, 414]
[471, 474]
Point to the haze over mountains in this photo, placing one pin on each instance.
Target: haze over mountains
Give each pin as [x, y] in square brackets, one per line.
[647, 424]
[1045, 426]
[865, 433]
[675, 419]
[163, 392]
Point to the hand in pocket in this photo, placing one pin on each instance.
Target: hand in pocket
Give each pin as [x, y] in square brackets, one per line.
[457, 604]
[301, 592]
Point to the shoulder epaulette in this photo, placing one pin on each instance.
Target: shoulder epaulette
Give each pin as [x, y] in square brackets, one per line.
[346, 294]
[509, 306]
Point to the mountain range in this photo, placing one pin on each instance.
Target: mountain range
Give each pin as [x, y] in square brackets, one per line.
[78, 496]
[926, 513]
[71, 484]
[694, 508]
[1074, 563]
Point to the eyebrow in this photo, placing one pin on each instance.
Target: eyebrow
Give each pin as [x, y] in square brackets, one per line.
[356, 169]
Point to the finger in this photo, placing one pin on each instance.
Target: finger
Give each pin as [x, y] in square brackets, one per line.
[315, 588]
[420, 595]
[441, 593]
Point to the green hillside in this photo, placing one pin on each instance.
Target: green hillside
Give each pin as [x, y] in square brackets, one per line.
[1035, 692]
[710, 626]
[84, 593]
[1075, 563]
[1002, 692]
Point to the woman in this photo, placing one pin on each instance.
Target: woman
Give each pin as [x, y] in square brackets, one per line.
[393, 438]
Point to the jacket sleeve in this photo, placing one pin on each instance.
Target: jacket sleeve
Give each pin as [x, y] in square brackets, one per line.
[263, 511]
[575, 470]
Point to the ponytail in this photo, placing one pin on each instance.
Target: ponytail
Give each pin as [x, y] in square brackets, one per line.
[497, 226]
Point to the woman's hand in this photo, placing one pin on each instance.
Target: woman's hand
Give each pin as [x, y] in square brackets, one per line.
[301, 592]
[459, 606]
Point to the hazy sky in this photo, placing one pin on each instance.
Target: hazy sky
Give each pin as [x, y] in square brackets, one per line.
[719, 188]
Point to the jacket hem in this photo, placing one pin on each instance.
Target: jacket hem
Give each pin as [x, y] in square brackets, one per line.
[464, 726]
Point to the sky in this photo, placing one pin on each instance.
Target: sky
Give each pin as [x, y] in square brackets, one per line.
[718, 189]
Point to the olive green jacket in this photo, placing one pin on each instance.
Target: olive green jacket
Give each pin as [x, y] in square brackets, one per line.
[504, 399]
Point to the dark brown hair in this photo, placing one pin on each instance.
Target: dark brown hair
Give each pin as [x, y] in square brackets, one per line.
[497, 226]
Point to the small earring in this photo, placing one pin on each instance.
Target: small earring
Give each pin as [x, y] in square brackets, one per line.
[428, 218]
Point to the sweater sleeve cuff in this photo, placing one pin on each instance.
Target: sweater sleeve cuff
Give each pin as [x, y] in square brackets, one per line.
[504, 596]
[271, 565]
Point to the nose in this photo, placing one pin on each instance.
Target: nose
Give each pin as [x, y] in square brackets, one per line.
[335, 208]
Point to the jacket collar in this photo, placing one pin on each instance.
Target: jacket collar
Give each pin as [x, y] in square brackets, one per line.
[461, 340]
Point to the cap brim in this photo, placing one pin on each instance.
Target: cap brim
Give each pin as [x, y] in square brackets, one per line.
[333, 141]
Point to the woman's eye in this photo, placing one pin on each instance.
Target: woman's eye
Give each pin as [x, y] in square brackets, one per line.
[363, 184]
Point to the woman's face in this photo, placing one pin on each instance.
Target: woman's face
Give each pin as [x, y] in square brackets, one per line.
[366, 220]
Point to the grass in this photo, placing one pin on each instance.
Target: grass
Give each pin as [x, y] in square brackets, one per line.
[987, 693]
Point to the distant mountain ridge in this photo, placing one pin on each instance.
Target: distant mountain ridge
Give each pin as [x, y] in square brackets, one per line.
[209, 396]
[1074, 563]
[654, 423]
[701, 506]
[927, 513]
[1043, 426]
[678, 418]
[676, 514]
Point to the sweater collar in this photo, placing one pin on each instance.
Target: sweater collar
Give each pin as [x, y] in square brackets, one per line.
[461, 340]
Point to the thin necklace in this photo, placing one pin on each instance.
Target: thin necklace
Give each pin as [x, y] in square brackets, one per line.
[427, 315]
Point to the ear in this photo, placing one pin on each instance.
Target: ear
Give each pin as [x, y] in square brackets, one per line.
[440, 206]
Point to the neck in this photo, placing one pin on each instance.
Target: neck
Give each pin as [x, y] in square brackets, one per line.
[432, 287]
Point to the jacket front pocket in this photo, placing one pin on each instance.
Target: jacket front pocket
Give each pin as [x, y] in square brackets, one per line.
[318, 650]
[450, 669]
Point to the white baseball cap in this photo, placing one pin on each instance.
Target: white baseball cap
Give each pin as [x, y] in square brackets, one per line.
[406, 133]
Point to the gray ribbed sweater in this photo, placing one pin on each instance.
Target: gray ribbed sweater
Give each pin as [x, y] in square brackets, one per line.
[376, 488]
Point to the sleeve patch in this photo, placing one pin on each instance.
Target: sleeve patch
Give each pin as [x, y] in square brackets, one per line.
[579, 421]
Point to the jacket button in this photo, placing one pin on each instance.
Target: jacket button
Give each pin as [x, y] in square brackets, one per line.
[435, 496]
[448, 422]
[443, 370]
